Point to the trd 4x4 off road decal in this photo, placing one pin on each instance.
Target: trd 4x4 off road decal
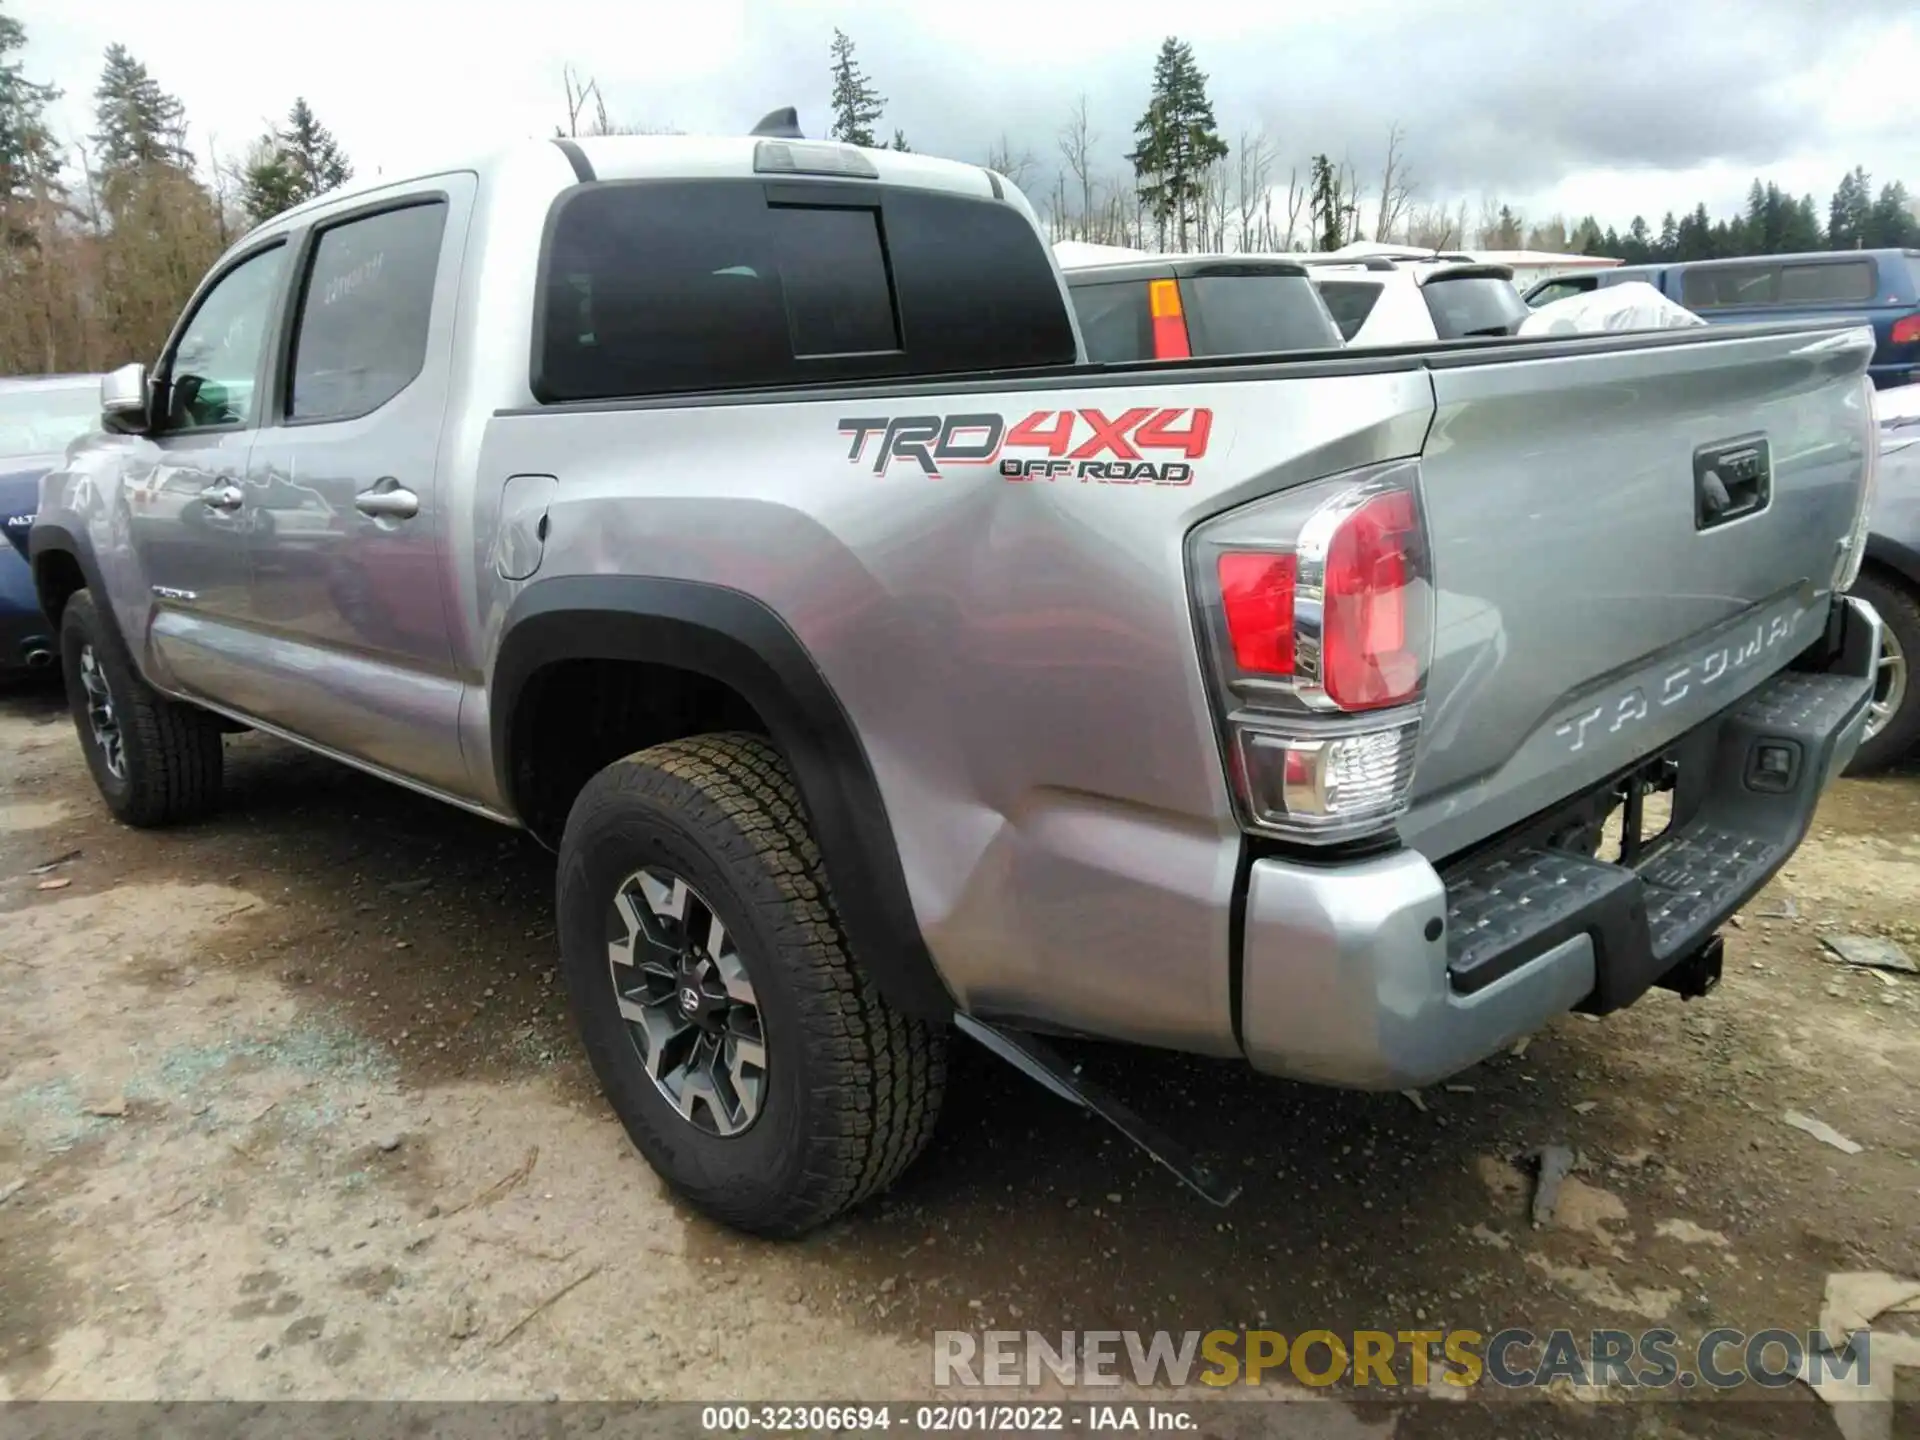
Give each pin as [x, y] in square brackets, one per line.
[1085, 445]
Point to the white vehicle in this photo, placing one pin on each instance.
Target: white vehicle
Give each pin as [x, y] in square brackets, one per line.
[1381, 300]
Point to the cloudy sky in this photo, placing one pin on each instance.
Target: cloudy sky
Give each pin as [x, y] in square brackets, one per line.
[1612, 106]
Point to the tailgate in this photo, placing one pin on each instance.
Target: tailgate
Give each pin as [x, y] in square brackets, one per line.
[1591, 607]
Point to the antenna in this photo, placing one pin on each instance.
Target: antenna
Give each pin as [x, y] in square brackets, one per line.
[781, 124]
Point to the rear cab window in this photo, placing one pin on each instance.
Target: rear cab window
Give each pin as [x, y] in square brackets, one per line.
[675, 286]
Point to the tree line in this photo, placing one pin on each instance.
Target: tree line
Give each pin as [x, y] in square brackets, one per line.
[98, 256]
[102, 240]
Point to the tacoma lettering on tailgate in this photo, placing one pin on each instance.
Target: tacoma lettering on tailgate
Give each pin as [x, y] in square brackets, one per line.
[1726, 655]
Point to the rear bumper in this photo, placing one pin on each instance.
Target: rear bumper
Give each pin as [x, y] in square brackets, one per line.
[1387, 973]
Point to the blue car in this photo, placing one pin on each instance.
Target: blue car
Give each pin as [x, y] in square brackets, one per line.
[1877, 287]
[39, 418]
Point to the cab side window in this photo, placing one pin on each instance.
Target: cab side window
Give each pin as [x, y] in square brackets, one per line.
[212, 370]
[365, 309]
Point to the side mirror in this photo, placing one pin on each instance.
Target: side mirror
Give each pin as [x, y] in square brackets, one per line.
[123, 399]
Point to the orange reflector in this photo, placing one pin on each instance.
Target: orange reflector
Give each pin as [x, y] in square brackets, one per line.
[1169, 324]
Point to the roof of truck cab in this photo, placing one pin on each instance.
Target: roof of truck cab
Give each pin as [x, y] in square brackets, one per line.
[679, 157]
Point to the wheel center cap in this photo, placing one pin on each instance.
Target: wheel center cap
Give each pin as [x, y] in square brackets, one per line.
[690, 991]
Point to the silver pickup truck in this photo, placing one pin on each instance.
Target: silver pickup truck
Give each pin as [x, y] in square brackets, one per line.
[742, 517]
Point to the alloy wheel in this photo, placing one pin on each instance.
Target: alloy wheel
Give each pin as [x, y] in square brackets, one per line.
[689, 1007]
[101, 716]
[1889, 684]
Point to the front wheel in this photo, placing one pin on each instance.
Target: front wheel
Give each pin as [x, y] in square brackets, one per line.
[1893, 722]
[752, 1060]
[156, 762]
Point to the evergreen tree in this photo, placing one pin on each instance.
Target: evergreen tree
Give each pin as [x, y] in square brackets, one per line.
[1511, 234]
[856, 104]
[1637, 247]
[1329, 216]
[1668, 245]
[1851, 211]
[29, 160]
[900, 141]
[1801, 230]
[1588, 239]
[1891, 223]
[140, 125]
[315, 155]
[269, 183]
[288, 166]
[1176, 140]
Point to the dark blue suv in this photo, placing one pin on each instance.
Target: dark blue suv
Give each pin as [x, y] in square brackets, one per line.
[1880, 287]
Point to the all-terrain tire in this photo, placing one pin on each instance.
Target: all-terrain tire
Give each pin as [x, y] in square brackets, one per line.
[170, 769]
[1899, 608]
[853, 1087]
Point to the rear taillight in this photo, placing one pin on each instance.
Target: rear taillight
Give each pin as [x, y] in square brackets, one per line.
[1169, 321]
[1907, 331]
[1318, 605]
[1853, 547]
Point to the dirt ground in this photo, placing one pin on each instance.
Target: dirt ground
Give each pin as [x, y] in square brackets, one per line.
[290, 1107]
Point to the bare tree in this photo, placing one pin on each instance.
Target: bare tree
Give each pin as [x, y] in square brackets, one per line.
[1552, 235]
[1396, 186]
[579, 92]
[1488, 225]
[1018, 168]
[1076, 141]
[1216, 203]
[1352, 196]
[1254, 157]
[1434, 227]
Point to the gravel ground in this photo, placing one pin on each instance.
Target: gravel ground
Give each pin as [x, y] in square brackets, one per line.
[289, 1107]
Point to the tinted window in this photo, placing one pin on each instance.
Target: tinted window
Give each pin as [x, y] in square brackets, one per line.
[1473, 305]
[654, 288]
[1559, 290]
[835, 279]
[45, 419]
[1350, 302]
[1729, 285]
[1115, 320]
[1251, 314]
[212, 368]
[1850, 280]
[362, 333]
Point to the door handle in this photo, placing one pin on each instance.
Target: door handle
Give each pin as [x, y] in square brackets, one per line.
[222, 497]
[395, 503]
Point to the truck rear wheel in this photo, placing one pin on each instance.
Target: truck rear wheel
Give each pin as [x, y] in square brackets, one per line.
[156, 762]
[753, 1062]
[1893, 728]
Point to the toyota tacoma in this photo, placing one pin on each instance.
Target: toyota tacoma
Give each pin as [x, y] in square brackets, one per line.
[743, 518]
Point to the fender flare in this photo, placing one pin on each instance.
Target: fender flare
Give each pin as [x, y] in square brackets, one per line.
[731, 637]
[55, 539]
